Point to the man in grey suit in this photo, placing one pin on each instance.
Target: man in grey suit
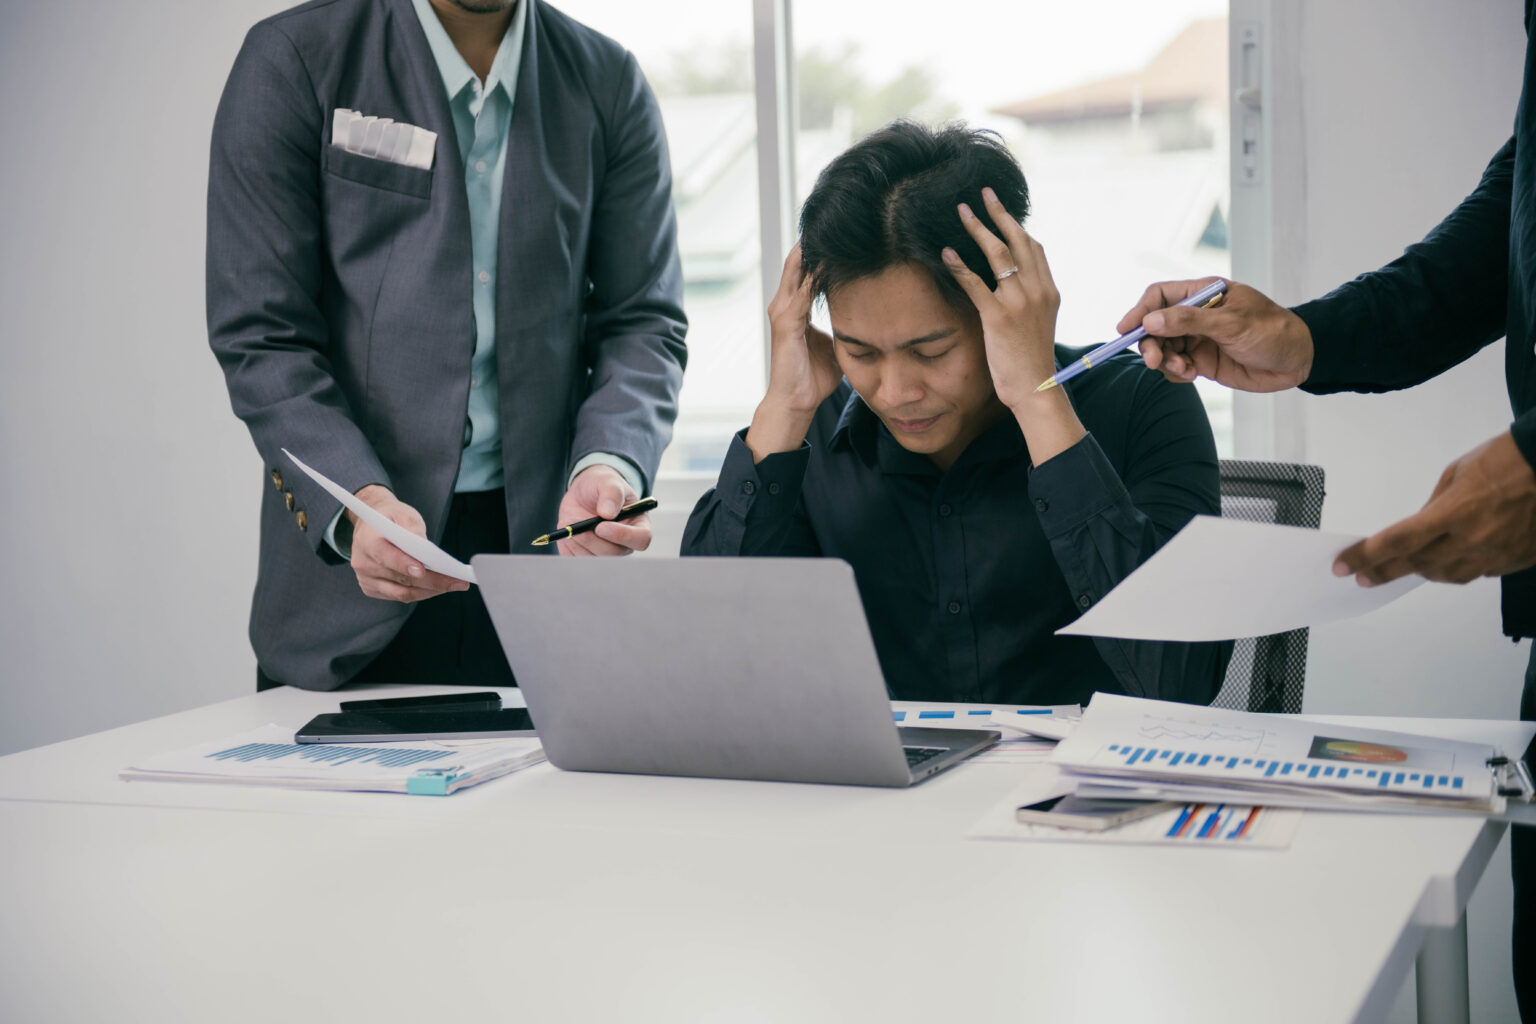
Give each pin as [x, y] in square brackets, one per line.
[459, 330]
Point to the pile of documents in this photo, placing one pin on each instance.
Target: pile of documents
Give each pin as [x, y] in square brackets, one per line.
[1129, 748]
[269, 757]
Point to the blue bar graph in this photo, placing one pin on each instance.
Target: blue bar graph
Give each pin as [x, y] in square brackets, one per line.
[330, 753]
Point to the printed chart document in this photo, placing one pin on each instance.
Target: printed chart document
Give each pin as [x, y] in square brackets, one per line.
[1157, 748]
[1019, 744]
[419, 548]
[268, 757]
[1223, 579]
[1217, 824]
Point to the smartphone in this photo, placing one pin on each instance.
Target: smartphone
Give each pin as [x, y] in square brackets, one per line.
[487, 700]
[384, 726]
[1068, 811]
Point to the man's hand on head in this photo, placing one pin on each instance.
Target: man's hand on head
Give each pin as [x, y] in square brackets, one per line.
[601, 491]
[1480, 521]
[383, 570]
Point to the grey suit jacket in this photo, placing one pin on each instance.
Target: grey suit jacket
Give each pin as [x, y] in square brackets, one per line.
[339, 294]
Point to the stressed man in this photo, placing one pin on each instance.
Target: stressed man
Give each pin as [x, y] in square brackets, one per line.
[979, 515]
[442, 270]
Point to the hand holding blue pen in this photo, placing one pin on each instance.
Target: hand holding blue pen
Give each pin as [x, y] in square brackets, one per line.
[1211, 295]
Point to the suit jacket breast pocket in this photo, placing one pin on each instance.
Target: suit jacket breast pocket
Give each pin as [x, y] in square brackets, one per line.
[365, 170]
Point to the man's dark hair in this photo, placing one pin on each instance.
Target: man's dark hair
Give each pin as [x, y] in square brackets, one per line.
[891, 199]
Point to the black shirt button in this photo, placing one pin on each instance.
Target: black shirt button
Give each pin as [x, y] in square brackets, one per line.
[945, 510]
[1041, 505]
[774, 488]
[1083, 600]
[954, 607]
[749, 487]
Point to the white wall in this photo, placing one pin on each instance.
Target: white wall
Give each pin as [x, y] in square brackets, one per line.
[129, 495]
[1401, 104]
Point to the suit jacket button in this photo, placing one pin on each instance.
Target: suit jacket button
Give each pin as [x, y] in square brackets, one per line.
[288, 500]
[303, 520]
[277, 479]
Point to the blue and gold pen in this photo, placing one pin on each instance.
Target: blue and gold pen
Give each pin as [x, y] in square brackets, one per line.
[1210, 295]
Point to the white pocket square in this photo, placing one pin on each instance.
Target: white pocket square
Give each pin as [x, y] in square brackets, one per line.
[383, 138]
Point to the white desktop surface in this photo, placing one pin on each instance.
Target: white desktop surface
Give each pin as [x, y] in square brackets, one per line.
[550, 896]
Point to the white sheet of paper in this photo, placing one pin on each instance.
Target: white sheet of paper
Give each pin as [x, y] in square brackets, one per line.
[419, 548]
[1223, 579]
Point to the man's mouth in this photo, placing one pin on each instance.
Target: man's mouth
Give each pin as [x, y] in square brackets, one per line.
[913, 426]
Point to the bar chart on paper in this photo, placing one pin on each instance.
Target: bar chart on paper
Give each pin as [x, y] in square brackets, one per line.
[1132, 738]
[269, 757]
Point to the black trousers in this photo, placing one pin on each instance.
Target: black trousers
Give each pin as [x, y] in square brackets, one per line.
[448, 639]
[1522, 864]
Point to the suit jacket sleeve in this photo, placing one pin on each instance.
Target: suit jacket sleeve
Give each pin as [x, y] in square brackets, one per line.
[264, 277]
[634, 316]
[1431, 308]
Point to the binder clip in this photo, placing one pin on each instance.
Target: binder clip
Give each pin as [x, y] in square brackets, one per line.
[1512, 778]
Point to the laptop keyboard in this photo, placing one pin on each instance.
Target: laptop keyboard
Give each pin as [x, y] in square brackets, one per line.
[918, 755]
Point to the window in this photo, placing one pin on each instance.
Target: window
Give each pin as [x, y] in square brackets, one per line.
[1117, 110]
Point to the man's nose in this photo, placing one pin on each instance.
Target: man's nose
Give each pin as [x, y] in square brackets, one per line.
[899, 385]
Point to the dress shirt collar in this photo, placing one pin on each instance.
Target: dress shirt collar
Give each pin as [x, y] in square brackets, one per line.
[451, 64]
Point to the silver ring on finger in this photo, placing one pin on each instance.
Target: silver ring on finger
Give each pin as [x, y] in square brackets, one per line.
[1003, 275]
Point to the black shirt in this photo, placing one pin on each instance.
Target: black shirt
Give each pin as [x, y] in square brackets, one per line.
[1471, 281]
[965, 575]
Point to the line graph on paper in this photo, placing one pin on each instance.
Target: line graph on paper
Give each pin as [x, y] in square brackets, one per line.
[1209, 736]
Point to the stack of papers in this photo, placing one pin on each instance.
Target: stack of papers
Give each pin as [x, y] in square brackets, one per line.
[1022, 742]
[269, 757]
[1129, 748]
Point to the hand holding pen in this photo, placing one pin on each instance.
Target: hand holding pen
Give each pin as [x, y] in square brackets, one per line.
[1205, 297]
[629, 511]
[1248, 342]
[595, 502]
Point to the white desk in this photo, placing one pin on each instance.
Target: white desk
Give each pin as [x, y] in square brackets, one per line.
[551, 896]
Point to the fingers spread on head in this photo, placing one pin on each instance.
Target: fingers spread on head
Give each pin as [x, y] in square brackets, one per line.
[974, 287]
[997, 255]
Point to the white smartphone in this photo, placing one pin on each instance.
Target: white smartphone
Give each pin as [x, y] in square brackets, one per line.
[1069, 811]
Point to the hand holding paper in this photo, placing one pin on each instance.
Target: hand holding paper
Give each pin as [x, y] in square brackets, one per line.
[1223, 579]
[420, 548]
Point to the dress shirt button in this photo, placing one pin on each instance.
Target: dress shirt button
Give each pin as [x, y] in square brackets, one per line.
[1041, 505]
[474, 381]
[277, 479]
[774, 488]
[288, 500]
[479, 166]
[302, 519]
[484, 276]
[749, 487]
[954, 607]
[945, 510]
[1083, 600]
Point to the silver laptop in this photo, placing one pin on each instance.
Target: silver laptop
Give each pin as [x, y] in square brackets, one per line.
[736, 668]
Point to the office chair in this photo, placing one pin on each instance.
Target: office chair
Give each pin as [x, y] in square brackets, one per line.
[1267, 672]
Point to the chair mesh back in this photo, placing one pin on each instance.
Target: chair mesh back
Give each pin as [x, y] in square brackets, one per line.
[1267, 672]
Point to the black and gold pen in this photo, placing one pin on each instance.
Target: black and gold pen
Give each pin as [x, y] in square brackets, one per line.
[629, 511]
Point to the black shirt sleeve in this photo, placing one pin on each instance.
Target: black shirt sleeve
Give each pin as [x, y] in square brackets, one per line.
[753, 509]
[1434, 306]
[1102, 524]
